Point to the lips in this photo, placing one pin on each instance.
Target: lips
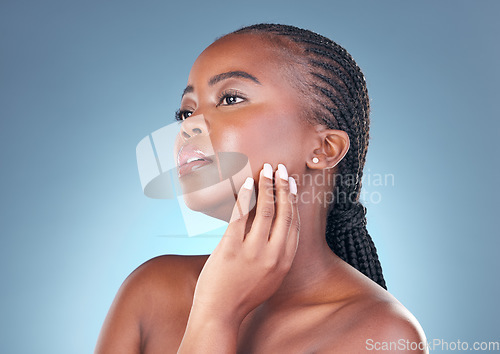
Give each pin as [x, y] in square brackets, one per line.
[191, 158]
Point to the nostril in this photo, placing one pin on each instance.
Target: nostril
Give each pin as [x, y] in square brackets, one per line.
[186, 135]
[197, 130]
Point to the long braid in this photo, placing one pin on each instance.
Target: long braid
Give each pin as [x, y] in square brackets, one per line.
[338, 86]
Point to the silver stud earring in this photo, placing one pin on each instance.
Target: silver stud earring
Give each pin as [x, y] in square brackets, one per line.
[315, 160]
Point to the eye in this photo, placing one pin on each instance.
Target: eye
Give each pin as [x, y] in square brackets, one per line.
[181, 115]
[230, 97]
[232, 100]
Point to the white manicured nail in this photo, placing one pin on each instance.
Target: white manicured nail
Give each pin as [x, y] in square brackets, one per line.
[293, 185]
[268, 171]
[282, 172]
[248, 183]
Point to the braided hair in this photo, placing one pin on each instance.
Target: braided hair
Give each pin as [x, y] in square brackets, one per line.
[338, 89]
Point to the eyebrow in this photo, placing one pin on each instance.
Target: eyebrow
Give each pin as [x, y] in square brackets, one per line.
[188, 89]
[224, 76]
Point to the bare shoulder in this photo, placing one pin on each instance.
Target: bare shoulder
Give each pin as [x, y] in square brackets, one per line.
[162, 277]
[164, 283]
[388, 325]
[167, 270]
[379, 322]
[160, 288]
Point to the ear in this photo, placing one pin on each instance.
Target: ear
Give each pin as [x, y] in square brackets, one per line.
[332, 147]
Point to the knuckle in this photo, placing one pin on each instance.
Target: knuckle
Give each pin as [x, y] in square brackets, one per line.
[236, 218]
[270, 264]
[230, 254]
[238, 215]
[267, 211]
[297, 225]
[252, 257]
[288, 218]
[285, 267]
[227, 241]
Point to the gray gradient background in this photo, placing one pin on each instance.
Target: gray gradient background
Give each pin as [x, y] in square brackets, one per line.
[83, 82]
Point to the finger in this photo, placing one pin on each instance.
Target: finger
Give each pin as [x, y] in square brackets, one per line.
[239, 217]
[284, 210]
[293, 236]
[261, 226]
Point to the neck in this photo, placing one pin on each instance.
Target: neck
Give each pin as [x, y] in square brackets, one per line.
[315, 266]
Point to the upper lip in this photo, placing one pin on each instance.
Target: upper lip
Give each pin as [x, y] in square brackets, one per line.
[190, 152]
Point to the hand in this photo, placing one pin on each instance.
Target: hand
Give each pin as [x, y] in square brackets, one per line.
[246, 269]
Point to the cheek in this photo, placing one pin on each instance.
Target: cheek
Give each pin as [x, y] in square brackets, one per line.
[262, 137]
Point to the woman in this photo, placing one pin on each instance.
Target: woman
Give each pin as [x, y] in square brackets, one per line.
[295, 103]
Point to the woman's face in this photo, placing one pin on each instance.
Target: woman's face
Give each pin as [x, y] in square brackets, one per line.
[238, 100]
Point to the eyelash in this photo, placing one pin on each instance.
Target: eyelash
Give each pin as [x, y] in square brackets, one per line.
[229, 93]
[180, 114]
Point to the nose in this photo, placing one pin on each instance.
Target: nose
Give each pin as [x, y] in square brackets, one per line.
[194, 125]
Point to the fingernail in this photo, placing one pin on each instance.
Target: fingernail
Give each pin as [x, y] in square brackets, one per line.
[293, 185]
[282, 172]
[268, 171]
[248, 183]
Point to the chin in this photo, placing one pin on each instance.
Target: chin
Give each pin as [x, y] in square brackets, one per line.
[203, 190]
[217, 200]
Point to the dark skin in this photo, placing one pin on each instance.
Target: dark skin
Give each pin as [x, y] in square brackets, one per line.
[320, 303]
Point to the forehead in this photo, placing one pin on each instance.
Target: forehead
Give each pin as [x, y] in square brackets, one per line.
[242, 52]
